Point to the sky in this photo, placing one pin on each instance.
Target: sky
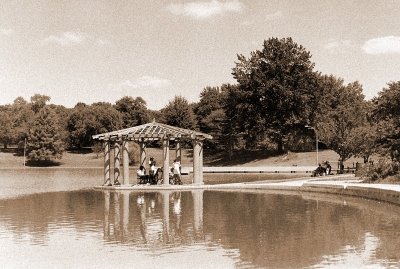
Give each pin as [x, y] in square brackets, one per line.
[101, 50]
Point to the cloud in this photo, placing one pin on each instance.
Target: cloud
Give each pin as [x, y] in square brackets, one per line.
[66, 39]
[145, 82]
[6, 31]
[203, 10]
[338, 44]
[153, 90]
[382, 45]
[274, 16]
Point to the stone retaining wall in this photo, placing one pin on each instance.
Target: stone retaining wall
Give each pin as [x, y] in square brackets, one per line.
[390, 196]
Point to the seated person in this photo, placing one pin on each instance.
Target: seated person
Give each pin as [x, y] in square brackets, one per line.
[320, 171]
[328, 168]
[153, 169]
[153, 173]
[171, 176]
[141, 175]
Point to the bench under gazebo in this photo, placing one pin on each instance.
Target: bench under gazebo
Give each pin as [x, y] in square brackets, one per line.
[154, 131]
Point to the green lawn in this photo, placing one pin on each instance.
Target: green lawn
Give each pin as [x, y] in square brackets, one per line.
[88, 159]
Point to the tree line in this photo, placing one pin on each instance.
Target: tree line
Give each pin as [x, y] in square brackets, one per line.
[277, 94]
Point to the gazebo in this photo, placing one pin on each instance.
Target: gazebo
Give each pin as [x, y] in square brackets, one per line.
[150, 132]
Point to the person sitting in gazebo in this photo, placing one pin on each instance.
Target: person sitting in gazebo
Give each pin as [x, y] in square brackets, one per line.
[153, 168]
[141, 175]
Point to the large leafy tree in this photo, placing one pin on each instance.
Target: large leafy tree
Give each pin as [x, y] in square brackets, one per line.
[233, 117]
[62, 114]
[81, 125]
[38, 101]
[15, 120]
[278, 85]
[387, 113]
[85, 121]
[44, 143]
[179, 113]
[341, 112]
[211, 100]
[363, 139]
[134, 111]
[6, 126]
[23, 115]
[210, 114]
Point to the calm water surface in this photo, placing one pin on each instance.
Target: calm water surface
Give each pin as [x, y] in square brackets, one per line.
[53, 219]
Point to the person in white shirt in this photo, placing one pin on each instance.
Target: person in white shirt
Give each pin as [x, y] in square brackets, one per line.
[177, 172]
[141, 175]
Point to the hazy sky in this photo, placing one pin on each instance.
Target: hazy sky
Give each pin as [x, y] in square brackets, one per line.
[93, 50]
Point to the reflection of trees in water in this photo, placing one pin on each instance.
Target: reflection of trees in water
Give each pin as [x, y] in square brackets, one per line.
[271, 230]
[284, 230]
[382, 221]
[32, 215]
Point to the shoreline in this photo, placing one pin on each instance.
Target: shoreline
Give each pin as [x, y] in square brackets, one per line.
[344, 184]
[347, 185]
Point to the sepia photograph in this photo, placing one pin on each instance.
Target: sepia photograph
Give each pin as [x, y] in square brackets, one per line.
[199, 134]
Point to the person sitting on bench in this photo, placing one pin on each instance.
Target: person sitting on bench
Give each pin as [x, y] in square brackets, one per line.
[141, 175]
[320, 171]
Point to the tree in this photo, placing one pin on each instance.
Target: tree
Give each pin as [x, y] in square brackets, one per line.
[44, 143]
[85, 121]
[363, 139]
[6, 136]
[62, 114]
[211, 99]
[15, 121]
[179, 113]
[107, 117]
[134, 111]
[341, 111]
[277, 84]
[210, 115]
[38, 101]
[233, 117]
[81, 125]
[387, 114]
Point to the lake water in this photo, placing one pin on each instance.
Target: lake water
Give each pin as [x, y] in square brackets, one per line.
[51, 218]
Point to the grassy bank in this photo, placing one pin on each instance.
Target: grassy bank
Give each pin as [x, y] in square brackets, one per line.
[87, 158]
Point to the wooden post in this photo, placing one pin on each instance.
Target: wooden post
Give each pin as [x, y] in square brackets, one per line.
[201, 162]
[197, 161]
[107, 179]
[125, 161]
[166, 160]
[142, 153]
[178, 151]
[117, 162]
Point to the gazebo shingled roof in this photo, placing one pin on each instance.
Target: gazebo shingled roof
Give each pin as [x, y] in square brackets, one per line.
[152, 131]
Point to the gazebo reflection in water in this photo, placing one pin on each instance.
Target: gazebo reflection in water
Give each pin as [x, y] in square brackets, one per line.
[153, 218]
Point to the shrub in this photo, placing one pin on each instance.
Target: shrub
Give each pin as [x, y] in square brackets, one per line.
[134, 151]
[97, 148]
[380, 170]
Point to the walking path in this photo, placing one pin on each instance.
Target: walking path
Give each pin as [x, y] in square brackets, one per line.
[339, 184]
